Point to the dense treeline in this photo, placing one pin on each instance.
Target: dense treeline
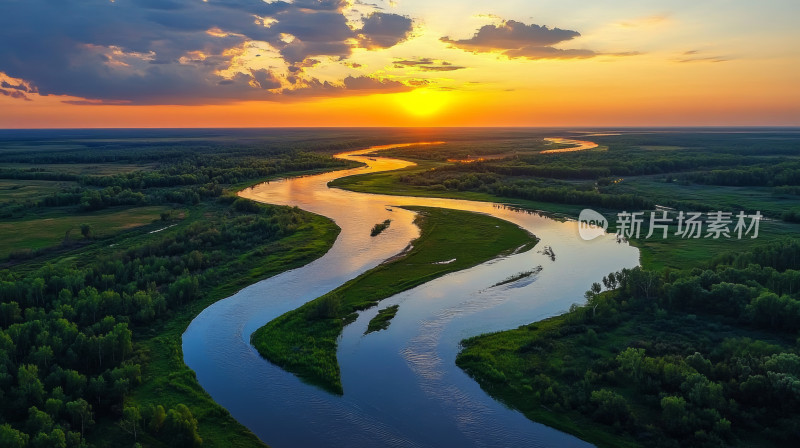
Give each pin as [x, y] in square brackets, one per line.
[595, 164]
[608, 177]
[187, 180]
[773, 175]
[447, 179]
[66, 329]
[705, 357]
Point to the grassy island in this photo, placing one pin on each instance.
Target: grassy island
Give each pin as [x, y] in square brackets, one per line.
[304, 341]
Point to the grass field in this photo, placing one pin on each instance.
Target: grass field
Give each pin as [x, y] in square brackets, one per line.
[677, 253]
[89, 169]
[304, 341]
[762, 199]
[30, 190]
[33, 234]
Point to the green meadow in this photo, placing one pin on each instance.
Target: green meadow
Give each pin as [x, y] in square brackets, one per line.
[29, 235]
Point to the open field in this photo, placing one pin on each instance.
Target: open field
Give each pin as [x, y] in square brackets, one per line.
[33, 190]
[34, 234]
[748, 198]
[80, 169]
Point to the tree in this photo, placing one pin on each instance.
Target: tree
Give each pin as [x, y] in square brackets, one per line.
[30, 388]
[38, 421]
[53, 407]
[130, 420]
[67, 238]
[10, 313]
[41, 355]
[326, 307]
[11, 438]
[612, 408]
[81, 413]
[630, 362]
[86, 231]
[182, 426]
[54, 439]
[673, 414]
[157, 419]
[97, 387]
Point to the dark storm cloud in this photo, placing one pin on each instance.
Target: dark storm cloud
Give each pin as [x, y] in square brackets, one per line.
[21, 86]
[169, 51]
[518, 40]
[14, 94]
[382, 30]
[265, 79]
[427, 64]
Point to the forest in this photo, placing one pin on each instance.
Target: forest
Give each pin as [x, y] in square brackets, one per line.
[80, 322]
[700, 357]
[698, 347]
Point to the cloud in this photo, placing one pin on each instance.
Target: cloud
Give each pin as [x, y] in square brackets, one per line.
[14, 94]
[15, 88]
[697, 56]
[176, 51]
[427, 64]
[381, 30]
[351, 85]
[265, 79]
[518, 40]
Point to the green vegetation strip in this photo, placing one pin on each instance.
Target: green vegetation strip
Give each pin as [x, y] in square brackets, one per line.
[382, 320]
[304, 341]
[518, 277]
[380, 227]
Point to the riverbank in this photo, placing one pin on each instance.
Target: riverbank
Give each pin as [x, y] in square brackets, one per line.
[665, 359]
[166, 380]
[304, 341]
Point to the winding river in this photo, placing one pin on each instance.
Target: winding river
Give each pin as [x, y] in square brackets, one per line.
[401, 386]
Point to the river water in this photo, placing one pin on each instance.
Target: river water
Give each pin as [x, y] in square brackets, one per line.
[401, 386]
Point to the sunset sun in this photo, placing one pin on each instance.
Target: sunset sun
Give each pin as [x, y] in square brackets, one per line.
[423, 102]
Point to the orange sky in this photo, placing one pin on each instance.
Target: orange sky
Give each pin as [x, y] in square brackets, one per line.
[647, 65]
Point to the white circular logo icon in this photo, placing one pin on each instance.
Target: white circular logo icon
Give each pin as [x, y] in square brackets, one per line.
[591, 224]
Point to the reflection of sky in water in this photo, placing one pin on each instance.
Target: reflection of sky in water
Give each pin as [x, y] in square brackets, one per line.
[402, 387]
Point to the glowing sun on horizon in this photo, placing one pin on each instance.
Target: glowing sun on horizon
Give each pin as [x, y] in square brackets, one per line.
[423, 102]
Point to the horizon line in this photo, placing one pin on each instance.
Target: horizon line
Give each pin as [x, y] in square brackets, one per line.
[747, 126]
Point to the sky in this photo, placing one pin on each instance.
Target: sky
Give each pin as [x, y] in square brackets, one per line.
[257, 63]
